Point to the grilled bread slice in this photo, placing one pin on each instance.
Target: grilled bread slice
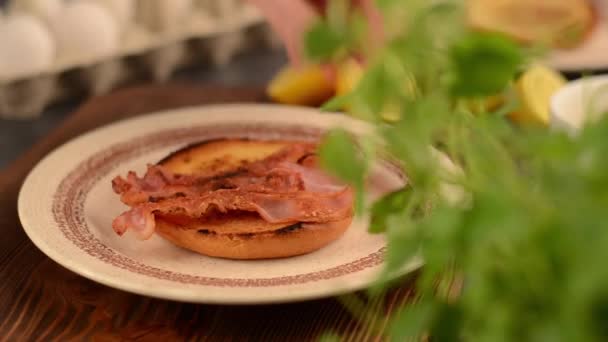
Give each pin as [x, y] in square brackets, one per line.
[221, 155]
[559, 23]
[239, 235]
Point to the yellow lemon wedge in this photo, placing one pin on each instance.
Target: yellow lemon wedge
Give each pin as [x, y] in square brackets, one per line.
[534, 88]
[348, 75]
[306, 86]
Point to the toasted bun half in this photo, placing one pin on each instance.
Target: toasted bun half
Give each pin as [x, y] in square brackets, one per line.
[239, 235]
[296, 239]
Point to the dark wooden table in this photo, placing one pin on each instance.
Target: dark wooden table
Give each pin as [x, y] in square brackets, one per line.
[40, 300]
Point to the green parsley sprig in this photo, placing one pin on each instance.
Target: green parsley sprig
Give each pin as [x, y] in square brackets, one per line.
[531, 237]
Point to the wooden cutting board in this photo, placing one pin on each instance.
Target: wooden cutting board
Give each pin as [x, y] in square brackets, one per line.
[40, 300]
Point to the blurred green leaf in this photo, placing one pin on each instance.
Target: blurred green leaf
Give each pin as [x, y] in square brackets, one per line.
[336, 103]
[322, 43]
[372, 91]
[529, 235]
[388, 205]
[447, 323]
[404, 242]
[410, 322]
[340, 157]
[403, 246]
[483, 64]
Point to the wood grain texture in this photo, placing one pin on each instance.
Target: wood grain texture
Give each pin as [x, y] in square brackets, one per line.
[42, 301]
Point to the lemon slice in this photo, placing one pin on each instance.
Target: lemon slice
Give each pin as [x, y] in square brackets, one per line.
[349, 74]
[534, 89]
[307, 85]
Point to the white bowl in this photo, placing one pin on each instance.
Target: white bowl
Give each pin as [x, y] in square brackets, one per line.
[579, 102]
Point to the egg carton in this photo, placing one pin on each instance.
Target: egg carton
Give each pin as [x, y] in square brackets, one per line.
[155, 38]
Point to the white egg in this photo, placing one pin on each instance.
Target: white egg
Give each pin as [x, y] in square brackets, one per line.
[27, 47]
[85, 30]
[43, 9]
[122, 10]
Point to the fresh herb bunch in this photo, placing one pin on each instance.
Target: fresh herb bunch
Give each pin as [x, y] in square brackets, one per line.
[528, 231]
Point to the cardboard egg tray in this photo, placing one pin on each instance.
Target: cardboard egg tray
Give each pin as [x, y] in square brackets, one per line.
[146, 53]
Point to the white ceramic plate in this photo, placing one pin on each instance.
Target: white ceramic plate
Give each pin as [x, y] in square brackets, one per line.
[66, 206]
[593, 53]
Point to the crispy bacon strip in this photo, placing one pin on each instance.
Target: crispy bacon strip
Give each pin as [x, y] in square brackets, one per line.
[284, 187]
[268, 175]
[274, 208]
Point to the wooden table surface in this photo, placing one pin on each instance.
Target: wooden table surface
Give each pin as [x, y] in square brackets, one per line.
[42, 301]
